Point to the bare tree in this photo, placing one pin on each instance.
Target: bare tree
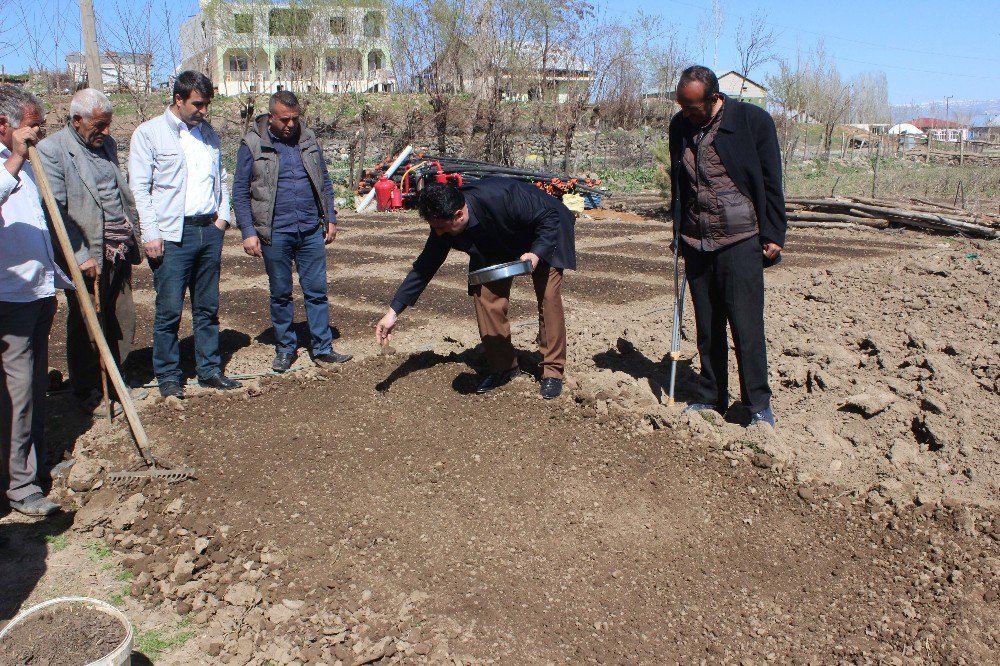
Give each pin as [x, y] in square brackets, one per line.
[828, 95]
[438, 66]
[870, 98]
[755, 44]
[710, 29]
[44, 36]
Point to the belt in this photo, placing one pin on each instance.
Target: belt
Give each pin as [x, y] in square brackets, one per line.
[199, 220]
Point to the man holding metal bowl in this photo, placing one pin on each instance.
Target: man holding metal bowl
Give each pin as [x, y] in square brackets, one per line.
[507, 227]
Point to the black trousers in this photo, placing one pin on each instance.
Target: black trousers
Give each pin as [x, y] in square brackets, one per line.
[727, 286]
[118, 313]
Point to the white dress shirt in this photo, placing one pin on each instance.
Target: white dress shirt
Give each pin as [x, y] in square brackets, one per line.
[28, 269]
[199, 158]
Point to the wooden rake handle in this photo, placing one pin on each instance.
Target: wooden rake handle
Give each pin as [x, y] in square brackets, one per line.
[89, 314]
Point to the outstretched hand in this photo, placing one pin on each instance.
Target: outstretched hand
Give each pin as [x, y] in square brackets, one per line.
[383, 329]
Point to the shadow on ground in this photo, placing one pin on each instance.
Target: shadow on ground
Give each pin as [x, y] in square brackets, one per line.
[23, 555]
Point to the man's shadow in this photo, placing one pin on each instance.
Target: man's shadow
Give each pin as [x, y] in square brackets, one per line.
[465, 383]
[139, 366]
[624, 357]
[303, 338]
[23, 555]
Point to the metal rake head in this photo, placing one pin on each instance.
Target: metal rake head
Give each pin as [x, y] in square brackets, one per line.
[153, 474]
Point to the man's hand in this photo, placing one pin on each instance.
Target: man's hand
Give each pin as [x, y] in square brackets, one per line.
[251, 245]
[90, 269]
[331, 233]
[221, 225]
[771, 250]
[383, 329]
[532, 257]
[154, 249]
[20, 140]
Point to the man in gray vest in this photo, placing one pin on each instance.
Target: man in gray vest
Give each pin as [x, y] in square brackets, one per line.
[81, 161]
[283, 199]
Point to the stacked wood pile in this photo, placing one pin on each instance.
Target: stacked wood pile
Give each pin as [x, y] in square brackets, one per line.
[853, 212]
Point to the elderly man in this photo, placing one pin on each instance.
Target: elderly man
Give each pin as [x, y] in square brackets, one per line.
[283, 199]
[179, 182]
[496, 220]
[29, 278]
[729, 218]
[81, 162]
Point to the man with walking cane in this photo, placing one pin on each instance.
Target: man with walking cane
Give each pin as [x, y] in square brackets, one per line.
[729, 223]
[29, 278]
[81, 162]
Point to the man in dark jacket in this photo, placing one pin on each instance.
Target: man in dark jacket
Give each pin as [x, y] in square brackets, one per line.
[283, 199]
[729, 218]
[496, 220]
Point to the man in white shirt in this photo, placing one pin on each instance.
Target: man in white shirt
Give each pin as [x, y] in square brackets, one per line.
[179, 183]
[29, 278]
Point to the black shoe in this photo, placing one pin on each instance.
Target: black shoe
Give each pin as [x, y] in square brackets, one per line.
[171, 389]
[551, 388]
[221, 382]
[35, 505]
[332, 358]
[283, 361]
[496, 380]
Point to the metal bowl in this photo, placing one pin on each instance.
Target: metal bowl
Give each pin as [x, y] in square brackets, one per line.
[499, 272]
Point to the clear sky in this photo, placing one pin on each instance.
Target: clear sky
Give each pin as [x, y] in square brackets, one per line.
[929, 49]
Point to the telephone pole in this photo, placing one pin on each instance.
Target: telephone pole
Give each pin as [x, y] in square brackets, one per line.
[92, 55]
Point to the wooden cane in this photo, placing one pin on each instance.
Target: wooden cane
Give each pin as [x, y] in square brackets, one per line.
[108, 409]
[89, 314]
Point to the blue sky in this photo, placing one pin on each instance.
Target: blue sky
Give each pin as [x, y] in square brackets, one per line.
[928, 49]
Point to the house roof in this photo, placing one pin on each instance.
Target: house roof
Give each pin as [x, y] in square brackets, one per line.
[934, 123]
[735, 73]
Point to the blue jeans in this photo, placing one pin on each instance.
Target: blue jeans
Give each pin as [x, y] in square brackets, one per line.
[191, 265]
[307, 250]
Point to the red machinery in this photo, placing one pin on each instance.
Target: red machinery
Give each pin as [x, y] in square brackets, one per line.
[387, 195]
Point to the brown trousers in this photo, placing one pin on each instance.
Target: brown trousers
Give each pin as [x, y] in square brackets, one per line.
[492, 301]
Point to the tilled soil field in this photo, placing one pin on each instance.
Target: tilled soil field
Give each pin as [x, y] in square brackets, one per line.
[380, 513]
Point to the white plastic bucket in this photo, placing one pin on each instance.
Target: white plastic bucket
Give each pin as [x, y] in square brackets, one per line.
[120, 656]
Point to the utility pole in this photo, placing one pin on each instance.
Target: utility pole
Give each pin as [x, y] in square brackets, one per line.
[947, 129]
[91, 54]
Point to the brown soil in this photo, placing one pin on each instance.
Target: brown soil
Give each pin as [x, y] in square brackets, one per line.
[381, 513]
[64, 635]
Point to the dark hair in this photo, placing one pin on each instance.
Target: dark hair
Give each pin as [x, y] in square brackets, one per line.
[284, 98]
[189, 81]
[440, 201]
[702, 75]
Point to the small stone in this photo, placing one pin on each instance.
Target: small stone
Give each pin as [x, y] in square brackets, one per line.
[242, 594]
[214, 648]
[84, 475]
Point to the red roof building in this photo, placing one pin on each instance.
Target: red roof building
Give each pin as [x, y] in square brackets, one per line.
[934, 123]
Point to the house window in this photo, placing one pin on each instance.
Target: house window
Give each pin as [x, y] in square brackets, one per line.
[289, 22]
[376, 60]
[338, 25]
[288, 63]
[374, 25]
[335, 64]
[244, 23]
[238, 63]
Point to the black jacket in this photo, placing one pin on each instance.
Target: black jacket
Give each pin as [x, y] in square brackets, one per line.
[747, 143]
[507, 218]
